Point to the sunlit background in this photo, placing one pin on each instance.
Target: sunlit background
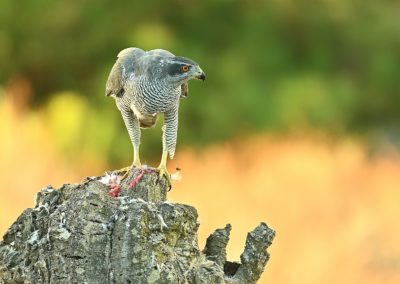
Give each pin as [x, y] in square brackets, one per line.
[296, 125]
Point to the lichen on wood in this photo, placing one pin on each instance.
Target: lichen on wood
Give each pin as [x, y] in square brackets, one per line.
[79, 234]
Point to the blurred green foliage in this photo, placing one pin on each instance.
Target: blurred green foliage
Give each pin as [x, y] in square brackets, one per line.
[270, 65]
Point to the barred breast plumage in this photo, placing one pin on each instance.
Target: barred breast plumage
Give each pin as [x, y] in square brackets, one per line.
[148, 99]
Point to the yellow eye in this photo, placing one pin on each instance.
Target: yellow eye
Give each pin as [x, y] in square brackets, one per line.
[185, 68]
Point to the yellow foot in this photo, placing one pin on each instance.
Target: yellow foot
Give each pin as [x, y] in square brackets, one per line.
[123, 170]
[126, 170]
[164, 172]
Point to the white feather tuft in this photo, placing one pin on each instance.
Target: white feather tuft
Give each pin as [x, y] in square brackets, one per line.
[110, 179]
[177, 176]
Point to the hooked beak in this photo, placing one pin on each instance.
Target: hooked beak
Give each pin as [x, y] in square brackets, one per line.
[201, 75]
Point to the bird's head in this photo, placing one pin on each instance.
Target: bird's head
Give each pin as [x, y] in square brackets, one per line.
[179, 70]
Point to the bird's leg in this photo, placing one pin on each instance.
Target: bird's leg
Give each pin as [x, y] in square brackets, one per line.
[136, 162]
[169, 129]
[133, 127]
[136, 159]
[162, 168]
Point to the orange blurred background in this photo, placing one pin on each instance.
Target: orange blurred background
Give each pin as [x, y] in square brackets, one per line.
[334, 206]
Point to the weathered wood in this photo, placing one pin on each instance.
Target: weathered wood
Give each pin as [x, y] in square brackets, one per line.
[79, 234]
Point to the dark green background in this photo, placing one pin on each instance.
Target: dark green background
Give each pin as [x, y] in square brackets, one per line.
[271, 65]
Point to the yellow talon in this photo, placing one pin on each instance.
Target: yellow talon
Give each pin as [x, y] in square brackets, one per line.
[136, 163]
[162, 168]
[163, 172]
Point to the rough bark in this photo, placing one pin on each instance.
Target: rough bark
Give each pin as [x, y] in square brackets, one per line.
[79, 234]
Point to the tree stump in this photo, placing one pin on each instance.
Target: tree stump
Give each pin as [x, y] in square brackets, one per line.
[80, 234]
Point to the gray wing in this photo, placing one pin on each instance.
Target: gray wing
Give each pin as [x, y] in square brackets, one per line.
[123, 67]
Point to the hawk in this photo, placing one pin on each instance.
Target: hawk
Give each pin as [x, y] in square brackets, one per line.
[146, 84]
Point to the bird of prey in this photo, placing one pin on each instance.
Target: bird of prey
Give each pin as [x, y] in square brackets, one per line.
[146, 84]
